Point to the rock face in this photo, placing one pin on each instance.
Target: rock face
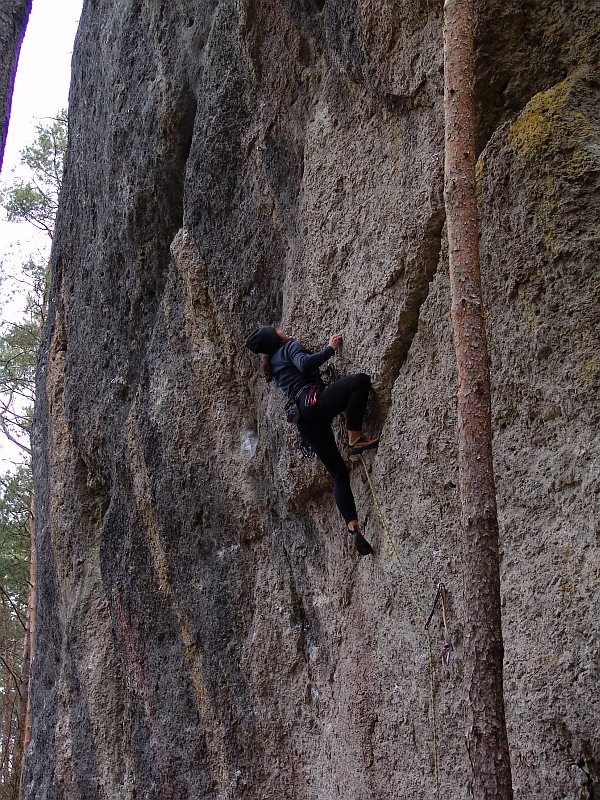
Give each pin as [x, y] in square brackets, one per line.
[202, 631]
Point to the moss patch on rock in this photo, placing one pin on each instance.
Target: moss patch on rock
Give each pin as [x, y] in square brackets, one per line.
[551, 125]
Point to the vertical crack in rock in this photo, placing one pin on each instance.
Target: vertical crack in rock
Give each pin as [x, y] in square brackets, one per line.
[419, 273]
[166, 203]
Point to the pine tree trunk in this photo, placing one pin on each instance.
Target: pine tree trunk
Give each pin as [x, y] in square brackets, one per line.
[26, 665]
[22, 707]
[486, 729]
[7, 696]
[13, 742]
[25, 735]
[13, 21]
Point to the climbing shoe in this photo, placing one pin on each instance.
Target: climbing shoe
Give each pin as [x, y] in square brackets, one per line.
[363, 548]
[361, 444]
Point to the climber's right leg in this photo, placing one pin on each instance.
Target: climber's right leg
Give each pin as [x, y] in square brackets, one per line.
[349, 394]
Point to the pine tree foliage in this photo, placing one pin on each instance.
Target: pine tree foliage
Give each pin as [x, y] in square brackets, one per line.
[15, 498]
[19, 343]
[34, 201]
[15, 502]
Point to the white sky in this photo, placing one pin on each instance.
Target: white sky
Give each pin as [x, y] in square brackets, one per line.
[43, 73]
[41, 89]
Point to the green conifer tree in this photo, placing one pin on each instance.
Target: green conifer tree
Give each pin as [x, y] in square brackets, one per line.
[34, 201]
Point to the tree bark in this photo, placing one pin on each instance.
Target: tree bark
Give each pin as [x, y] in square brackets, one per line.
[13, 21]
[13, 742]
[24, 712]
[7, 697]
[486, 728]
[25, 738]
[22, 705]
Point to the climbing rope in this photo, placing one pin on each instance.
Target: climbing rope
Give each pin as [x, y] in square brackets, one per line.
[448, 646]
[393, 551]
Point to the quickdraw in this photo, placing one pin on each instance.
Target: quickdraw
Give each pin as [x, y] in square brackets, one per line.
[447, 647]
[305, 446]
[329, 374]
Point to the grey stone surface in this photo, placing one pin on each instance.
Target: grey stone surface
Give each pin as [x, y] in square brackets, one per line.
[203, 631]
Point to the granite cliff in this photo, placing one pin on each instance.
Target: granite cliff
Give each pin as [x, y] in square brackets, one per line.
[202, 631]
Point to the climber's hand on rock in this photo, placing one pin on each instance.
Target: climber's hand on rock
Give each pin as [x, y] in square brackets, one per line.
[335, 341]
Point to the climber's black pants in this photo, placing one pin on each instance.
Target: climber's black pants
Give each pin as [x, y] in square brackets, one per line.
[349, 394]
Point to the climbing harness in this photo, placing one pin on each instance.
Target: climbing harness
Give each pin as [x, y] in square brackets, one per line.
[447, 648]
[292, 407]
[292, 414]
[393, 551]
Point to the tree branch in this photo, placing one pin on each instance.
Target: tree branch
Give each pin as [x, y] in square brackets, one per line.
[12, 605]
[14, 677]
[12, 439]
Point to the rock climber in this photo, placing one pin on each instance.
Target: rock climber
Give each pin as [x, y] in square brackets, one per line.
[314, 406]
